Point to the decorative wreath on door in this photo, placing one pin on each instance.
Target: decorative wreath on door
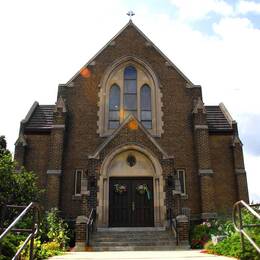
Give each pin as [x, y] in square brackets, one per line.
[120, 188]
[142, 189]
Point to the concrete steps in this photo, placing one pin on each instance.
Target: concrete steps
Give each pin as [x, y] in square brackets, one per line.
[133, 241]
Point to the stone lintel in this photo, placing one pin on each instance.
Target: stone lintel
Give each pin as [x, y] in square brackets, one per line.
[201, 127]
[58, 126]
[240, 171]
[54, 172]
[182, 219]
[205, 172]
[209, 215]
[81, 219]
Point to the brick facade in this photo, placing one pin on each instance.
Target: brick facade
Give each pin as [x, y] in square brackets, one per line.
[212, 158]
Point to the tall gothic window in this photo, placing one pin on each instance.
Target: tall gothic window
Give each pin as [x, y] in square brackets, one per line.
[114, 107]
[146, 107]
[130, 90]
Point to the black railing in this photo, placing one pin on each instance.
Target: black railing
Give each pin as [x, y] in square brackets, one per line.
[173, 226]
[237, 216]
[32, 231]
[90, 225]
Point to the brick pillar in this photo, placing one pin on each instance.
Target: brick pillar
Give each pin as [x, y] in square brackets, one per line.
[183, 230]
[204, 162]
[20, 149]
[55, 156]
[242, 190]
[81, 230]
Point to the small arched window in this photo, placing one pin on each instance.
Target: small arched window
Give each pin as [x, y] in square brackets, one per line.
[146, 106]
[130, 90]
[114, 107]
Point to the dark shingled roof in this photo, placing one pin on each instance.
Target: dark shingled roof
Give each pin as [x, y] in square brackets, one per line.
[217, 122]
[41, 118]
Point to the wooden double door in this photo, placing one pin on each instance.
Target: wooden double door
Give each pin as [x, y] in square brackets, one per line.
[131, 202]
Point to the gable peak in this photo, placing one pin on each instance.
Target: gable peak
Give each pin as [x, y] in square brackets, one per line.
[199, 107]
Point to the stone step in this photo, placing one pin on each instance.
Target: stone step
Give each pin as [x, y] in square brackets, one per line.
[135, 243]
[133, 248]
[113, 240]
[132, 234]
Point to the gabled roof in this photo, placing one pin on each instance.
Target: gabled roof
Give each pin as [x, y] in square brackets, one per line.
[40, 118]
[130, 23]
[130, 118]
[217, 120]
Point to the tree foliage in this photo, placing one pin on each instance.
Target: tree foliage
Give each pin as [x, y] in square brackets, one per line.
[16, 187]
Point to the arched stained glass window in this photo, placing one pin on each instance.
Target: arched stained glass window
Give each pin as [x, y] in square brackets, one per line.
[146, 106]
[114, 107]
[130, 90]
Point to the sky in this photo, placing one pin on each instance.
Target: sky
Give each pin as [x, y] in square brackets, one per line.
[215, 43]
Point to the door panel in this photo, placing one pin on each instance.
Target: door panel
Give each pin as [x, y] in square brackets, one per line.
[130, 208]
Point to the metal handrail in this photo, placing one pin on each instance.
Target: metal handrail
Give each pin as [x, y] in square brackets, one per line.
[173, 226]
[89, 225]
[33, 231]
[240, 227]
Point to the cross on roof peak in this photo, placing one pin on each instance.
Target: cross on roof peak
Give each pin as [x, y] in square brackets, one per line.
[130, 14]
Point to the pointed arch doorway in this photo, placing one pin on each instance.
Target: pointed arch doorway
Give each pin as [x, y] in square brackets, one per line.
[132, 207]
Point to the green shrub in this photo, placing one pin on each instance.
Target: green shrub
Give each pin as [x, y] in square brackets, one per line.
[202, 233]
[231, 246]
[54, 228]
[52, 238]
[9, 245]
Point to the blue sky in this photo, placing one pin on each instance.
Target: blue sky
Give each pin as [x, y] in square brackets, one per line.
[215, 43]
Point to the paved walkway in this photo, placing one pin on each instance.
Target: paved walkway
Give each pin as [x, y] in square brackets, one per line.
[140, 255]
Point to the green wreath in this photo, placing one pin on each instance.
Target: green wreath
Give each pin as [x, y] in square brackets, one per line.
[120, 188]
[142, 189]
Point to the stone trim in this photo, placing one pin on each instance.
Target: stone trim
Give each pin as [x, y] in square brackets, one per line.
[127, 120]
[182, 219]
[201, 127]
[54, 172]
[58, 126]
[209, 215]
[114, 75]
[60, 104]
[21, 140]
[81, 219]
[205, 172]
[158, 183]
[77, 197]
[226, 114]
[189, 85]
[199, 105]
[240, 172]
[29, 114]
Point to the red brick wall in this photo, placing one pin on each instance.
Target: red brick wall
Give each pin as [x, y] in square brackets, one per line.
[224, 175]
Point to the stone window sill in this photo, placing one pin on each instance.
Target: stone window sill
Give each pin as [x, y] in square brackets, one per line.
[77, 197]
[184, 196]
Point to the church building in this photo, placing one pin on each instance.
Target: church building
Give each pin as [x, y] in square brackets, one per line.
[131, 138]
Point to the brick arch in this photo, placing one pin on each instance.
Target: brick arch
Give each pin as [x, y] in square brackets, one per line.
[158, 184]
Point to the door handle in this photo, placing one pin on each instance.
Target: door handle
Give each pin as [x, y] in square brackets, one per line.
[133, 206]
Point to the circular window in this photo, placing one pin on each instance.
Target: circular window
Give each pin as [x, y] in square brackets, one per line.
[131, 160]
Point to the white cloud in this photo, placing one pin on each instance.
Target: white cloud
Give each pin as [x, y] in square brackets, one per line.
[200, 9]
[244, 7]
